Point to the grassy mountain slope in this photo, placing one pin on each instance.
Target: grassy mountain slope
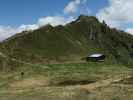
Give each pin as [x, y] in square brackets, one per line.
[71, 42]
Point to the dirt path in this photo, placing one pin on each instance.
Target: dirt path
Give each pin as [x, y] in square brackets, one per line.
[104, 83]
[20, 61]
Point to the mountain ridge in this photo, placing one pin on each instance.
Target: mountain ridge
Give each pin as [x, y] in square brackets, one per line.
[71, 42]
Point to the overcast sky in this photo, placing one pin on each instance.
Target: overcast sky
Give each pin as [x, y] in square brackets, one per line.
[20, 15]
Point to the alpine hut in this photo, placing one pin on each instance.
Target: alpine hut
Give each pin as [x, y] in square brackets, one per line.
[96, 57]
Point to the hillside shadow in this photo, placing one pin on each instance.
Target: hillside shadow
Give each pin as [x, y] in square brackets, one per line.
[72, 82]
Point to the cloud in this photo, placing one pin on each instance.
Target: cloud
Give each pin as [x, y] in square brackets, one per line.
[129, 30]
[117, 12]
[72, 7]
[8, 31]
[27, 27]
[54, 20]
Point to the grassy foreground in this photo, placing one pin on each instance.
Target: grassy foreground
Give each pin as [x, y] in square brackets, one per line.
[63, 82]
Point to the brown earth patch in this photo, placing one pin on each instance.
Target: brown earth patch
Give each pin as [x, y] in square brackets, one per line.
[30, 82]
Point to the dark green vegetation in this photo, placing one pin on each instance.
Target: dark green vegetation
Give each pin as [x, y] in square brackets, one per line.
[69, 43]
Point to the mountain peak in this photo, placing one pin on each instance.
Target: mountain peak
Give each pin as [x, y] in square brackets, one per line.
[87, 18]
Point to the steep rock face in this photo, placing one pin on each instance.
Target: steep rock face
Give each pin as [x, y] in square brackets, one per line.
[71, 42]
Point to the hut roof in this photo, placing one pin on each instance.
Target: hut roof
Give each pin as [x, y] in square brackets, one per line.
[96, 55]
